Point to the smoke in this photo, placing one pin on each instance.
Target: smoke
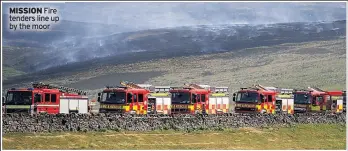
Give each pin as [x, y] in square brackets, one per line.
[102, 22]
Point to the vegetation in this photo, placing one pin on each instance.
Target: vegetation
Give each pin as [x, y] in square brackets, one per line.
[9, 72]
[299, 65]
[320, 136]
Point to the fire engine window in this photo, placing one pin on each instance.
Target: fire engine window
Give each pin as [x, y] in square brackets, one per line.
[320, 99]
[135, 98]
[198, 98]
[269, 98]
[140, 97]
[263, 99]
[47, 97]
[129, 98]
[203, 97]
[53, 97]
[194, 98]
[37, 98]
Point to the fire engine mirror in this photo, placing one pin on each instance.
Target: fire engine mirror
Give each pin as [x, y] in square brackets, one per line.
[98, 99]
[99, 94]
[234, 94]
[234, 99]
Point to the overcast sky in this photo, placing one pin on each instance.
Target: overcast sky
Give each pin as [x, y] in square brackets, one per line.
[157, 15]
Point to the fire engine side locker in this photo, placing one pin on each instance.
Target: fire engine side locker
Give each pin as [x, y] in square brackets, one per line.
[73, 104]
[64, 105]
[167, 102]
[219, 104]
[83, 105]
[159, 101]
[212, 104]
[226, 101]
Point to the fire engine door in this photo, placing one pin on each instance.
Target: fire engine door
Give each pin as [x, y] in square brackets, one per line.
[37, 99]
[317, 103]
[196, 99]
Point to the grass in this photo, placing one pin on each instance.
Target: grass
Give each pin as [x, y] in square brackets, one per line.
[9, 72]
[294, 65]
[319, 136]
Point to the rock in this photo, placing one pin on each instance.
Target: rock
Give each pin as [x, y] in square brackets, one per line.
[107, 121]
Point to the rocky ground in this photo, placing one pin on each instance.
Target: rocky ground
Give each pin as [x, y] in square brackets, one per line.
[100, 122]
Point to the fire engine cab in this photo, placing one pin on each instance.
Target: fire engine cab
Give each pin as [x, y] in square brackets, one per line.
[191, 99]
[128, 98]
[311, 100]
[257, 99]
[45, 98]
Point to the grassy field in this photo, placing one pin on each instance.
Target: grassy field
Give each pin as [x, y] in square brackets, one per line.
[321, 136]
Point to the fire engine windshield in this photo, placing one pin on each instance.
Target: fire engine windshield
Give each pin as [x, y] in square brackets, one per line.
[181, 97]
[114, 97]
[247, 97]
[302, 98]
[19, 98]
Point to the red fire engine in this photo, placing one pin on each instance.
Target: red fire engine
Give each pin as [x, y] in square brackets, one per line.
[255, 99]
[129, 98]
[190, 99]
[45, 98]
[311, 100]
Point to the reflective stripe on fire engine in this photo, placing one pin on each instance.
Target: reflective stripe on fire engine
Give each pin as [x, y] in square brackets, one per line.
[159, 94]
[285, 96]
[40, 105]
[336, 97]
[290, 109]
[17, 106]
[191, 107]
[219, 94]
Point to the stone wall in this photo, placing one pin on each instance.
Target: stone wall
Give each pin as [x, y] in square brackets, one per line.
[101, 122]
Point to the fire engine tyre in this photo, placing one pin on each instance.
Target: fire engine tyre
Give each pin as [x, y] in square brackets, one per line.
[25, 123]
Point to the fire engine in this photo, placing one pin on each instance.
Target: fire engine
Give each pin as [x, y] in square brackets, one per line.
[128, 98]
[45, 98]
[335, 101]
[191, 99]
[256, 99]
[284, 100]
[311, 100]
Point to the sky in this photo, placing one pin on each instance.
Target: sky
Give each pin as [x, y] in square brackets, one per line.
[144, 15]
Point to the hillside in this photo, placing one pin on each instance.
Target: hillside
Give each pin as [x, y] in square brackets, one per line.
[298, 65]
[128, 47]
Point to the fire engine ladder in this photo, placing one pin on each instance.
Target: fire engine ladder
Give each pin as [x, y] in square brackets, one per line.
[130, 85]
[260, 87]
[195, 86]
[60, 88]
[315, 89]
